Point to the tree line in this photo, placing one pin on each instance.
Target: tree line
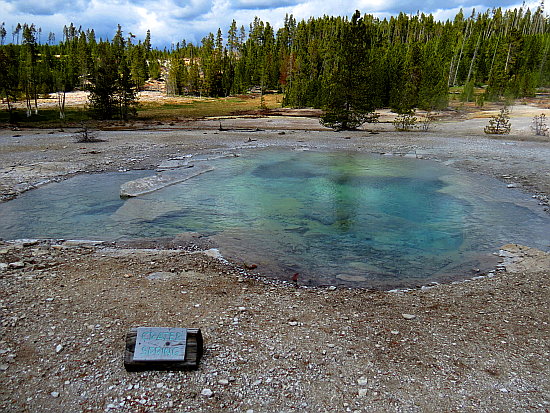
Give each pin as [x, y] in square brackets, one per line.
[347, 66]
[113, 71]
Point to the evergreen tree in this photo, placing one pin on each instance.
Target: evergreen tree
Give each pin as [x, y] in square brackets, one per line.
[539, 125]
[103, 86]
[113, 93]
[61, 80]
[147, 44]
[433, 90]
[138, 64]
[499, 124]
[9, 78]
[3, 33]
[349, 96]
[16, 32]
[126, 92]
[28, 58]
[233, 39]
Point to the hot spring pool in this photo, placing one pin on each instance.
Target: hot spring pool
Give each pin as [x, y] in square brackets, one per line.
[339, 218]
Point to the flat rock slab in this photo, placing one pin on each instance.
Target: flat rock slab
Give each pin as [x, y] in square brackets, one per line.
[143, 209]
[518, 258]
[161, 275]
[161, 180]
[186, 161]
[174, 163]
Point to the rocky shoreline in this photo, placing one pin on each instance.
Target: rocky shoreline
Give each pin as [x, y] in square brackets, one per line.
[479, 344]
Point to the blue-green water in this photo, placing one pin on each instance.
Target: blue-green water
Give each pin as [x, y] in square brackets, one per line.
[335, 218]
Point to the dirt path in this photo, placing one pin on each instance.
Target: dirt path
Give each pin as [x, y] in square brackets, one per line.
[480, 345]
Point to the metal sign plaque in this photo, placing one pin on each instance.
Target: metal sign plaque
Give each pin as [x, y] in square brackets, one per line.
[160, 344]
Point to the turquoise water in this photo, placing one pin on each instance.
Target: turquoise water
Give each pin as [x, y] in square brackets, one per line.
[334, 218]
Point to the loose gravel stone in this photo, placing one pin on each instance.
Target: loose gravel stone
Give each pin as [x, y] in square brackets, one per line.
[207, 393]
[362, 381]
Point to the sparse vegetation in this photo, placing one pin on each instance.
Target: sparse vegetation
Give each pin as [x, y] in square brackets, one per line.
[205, 107]
[467, 94]
[405, 122]
[499, 124]
[480, 100]
[539, 125]
[426, 122]
[86, 135]
[347, 119]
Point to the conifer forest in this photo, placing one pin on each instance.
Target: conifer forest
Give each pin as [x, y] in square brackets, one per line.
[348, 66]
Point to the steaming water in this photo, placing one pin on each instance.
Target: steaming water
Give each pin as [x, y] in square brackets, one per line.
[335, 218]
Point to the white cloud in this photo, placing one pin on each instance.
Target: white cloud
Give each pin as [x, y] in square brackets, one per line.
[44, 8]
[263, 4]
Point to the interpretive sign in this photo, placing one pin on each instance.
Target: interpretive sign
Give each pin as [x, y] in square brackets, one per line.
[163, 348]
[160, 344]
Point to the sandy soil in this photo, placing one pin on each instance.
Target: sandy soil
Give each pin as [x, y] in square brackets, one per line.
[479, 345]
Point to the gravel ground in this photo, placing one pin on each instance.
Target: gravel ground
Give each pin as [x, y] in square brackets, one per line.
[479, 345]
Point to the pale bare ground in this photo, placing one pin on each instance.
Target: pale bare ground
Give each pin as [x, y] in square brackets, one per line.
[80, 99]
[479, 345]
[527, 107]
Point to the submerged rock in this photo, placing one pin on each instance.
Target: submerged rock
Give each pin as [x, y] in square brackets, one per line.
[175, 163]
[161, 180]
[351, 278]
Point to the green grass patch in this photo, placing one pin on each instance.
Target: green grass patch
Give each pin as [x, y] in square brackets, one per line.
[46, 118]
[175, 108]
[191, 108]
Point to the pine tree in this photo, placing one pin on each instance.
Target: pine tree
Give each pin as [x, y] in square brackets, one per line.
[350, 101]
[147, 43]
[113, 94]
[539, 125]
[138, 64]
[3, 33]
[28, 78]
[126, 92]
[9, 78]
[103, 86]
[499, 124]
[61, 81]
[233, 39]
[16, 32]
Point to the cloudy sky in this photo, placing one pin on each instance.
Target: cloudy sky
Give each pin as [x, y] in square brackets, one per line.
[171, 21]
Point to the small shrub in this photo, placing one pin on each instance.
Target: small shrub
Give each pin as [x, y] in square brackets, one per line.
[467, 94]
[426, 123]
[347, 119]
[480, 100]
[539, 125]
[499, 124]
[85, 135]
[405, 121]
[371, 117]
